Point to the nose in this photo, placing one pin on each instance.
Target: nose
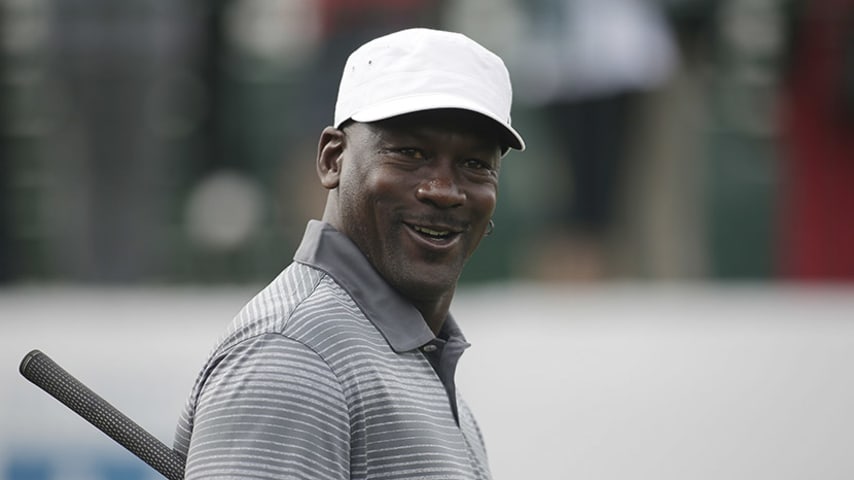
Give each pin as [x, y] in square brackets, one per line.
[442, 191]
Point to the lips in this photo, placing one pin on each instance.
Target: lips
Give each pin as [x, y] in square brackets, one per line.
[435, 235]
[438, 234]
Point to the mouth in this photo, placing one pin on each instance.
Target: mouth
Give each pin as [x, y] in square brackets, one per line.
[435, 235]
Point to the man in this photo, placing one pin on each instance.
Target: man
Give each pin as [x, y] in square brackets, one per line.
[343, 367]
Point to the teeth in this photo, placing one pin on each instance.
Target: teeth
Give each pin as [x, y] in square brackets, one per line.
[433, 233]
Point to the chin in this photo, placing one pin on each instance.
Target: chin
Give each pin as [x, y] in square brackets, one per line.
[420, 277]
[427, 286]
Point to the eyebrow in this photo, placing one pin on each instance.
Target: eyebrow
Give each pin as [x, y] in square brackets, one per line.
[480, 139]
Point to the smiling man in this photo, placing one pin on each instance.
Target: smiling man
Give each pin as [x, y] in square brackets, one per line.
[343, 367]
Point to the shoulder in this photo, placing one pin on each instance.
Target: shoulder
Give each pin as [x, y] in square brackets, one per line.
[272, 308]
[267, 361]
[269, 406]
[302, 313]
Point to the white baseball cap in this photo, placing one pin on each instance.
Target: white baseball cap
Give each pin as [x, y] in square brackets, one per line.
[423, 69]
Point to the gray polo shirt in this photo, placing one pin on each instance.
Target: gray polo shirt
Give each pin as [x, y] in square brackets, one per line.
[328, 373]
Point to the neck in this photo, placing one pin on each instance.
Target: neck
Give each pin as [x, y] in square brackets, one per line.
[434, 312]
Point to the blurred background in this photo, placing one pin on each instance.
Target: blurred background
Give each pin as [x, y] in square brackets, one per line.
[172, 142]
[678, 239]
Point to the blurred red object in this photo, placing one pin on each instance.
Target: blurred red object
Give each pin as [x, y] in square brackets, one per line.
[818, 142]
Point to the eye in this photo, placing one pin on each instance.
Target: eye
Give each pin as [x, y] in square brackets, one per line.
[477, 164]
[411, 152]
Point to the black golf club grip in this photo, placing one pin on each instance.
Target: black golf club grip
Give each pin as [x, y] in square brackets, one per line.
[50, 377]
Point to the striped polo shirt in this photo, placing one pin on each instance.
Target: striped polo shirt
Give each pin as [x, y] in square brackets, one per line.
[328, 373]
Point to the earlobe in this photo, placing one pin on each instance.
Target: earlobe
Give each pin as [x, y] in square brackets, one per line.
[330, 151]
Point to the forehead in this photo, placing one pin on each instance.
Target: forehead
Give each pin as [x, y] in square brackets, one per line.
[444, 121]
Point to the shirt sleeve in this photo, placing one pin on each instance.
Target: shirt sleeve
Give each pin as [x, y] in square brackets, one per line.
[271, 408]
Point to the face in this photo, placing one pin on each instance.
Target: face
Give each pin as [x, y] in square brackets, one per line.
[415, 193]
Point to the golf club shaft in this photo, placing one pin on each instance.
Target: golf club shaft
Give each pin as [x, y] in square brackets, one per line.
[53, 379]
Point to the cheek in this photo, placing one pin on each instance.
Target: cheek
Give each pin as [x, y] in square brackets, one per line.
[369, 195]
[486, 201]
[389, 186]
[355, 183]
[381, 185]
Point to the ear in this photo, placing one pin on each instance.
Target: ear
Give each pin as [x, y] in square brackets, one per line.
[330, 151]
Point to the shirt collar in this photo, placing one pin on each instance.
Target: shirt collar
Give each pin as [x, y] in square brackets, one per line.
[325, 248]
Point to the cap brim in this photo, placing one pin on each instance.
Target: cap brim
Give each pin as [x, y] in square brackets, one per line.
[419, 103]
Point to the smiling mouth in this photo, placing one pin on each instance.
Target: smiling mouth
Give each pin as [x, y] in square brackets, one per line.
[438, 234]
[435, 234]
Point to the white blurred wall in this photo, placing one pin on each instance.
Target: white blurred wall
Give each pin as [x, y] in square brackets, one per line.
[608, 382]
